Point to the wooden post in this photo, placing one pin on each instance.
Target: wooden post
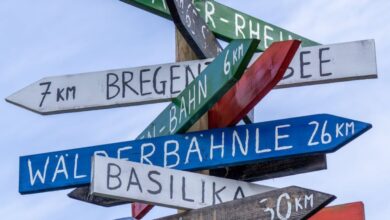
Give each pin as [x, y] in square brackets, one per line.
[185, 53]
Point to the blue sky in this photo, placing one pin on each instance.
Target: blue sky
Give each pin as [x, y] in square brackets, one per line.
[45, 38]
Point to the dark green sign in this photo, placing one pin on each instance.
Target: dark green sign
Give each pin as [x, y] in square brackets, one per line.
[202, 93]
[227, 23]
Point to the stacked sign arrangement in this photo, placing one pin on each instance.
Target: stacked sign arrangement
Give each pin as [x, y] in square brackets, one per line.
[228, 83]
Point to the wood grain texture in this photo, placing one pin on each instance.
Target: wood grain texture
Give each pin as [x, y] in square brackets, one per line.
[287, 203]
[273, 169]
[194, 29]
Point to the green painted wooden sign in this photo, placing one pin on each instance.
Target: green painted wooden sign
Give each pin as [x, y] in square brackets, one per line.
[227, 23]
[202, 93]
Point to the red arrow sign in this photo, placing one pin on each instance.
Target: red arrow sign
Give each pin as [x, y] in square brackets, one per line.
[351, 211]
[256, 82]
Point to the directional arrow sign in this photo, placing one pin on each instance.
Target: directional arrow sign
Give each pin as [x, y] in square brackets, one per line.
[157, 83]
[202, 93]
[107, 89]
[193, 28]
[351, 211]
[316, 134]
[124, 180]
[286, 203]
[227, 23]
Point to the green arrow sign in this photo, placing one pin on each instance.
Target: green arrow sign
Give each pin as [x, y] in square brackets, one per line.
[202, 93]
[227, 23]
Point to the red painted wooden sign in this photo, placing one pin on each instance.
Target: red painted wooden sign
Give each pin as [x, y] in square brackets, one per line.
[351, 211]
[256, 82]
[253, 86]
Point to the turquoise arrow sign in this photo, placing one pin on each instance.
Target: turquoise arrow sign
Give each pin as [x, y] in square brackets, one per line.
[202, 93]
[228, 23]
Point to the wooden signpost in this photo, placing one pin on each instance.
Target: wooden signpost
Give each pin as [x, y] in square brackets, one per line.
[157, 83]
[351, 211]
[138, 170]
[246, 144]
[286, 203]
[227, 23]
[130, 181]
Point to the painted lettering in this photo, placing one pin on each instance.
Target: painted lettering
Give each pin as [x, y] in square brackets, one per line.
[111, 175]
[322, 61]
[172, 153]
[159, 187]
[278, 137]
[194, 143]
[145, 157]
[133, 173]
[38, 173]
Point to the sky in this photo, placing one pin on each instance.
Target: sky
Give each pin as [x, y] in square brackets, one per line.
[46, 38]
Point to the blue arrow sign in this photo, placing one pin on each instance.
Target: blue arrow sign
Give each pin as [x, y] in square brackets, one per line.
[195, 151]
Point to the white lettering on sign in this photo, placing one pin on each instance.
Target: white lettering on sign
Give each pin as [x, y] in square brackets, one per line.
[210, 10]
[341, 130]
[188, 102]
[286, 204]
[278, 137]
[38, 173]
[172, 153]
[167, 187]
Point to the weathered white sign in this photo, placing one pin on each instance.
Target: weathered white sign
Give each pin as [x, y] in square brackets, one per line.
[125, 180]
[158, 83]
[331, 63]
[106, 89]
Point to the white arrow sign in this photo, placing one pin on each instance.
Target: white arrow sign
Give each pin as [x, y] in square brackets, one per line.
[129, 181]
[158, 83]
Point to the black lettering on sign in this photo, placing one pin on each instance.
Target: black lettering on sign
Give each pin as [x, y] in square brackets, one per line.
[239, 191]
[290, 74]
[173, 78]
[323, 61]
[203, 190]
[183, 190]
[163, 83]
[171, 186]
[215, 193]
[46, 92]
[110, 84]
[154, 172]
[116, 176]
[59, 95]
[125, 83]
[71, 90]
[303, 64]
[142, 82]
[136, 182]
